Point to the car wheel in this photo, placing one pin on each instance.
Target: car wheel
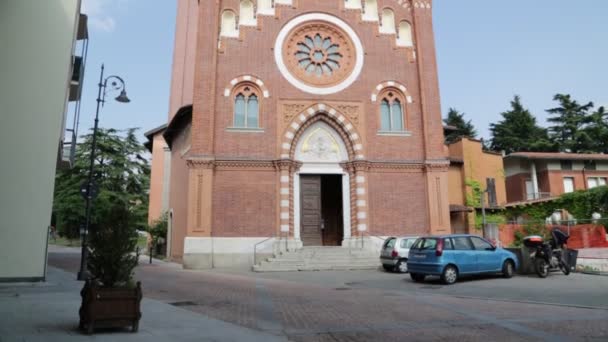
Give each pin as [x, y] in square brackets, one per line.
[401, 266]
[508, 269]
[417, 277]
[449, 275]
[387, 268]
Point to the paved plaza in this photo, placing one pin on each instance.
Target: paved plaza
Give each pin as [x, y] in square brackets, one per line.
[358, 305]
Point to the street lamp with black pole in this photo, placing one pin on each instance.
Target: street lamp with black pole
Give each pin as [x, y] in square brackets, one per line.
[89, 190]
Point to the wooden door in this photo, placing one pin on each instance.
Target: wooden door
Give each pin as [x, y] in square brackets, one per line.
[310, 212]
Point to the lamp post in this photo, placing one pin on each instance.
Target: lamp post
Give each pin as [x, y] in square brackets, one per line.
[117, 84]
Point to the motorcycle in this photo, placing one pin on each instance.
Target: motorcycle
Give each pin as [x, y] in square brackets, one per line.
[548, 255]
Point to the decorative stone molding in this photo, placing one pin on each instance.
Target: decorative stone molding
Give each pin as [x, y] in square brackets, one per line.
[350, 46]
[340, 122]
[423, 4]
[351, 111]
[247, 78]
[437, 166]
[292, 109]
[194, 163]
[391, 84]
[287, 165]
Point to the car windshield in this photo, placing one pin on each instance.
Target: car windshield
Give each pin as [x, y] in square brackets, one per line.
[407, 243]
[425, 244]
[390, 243]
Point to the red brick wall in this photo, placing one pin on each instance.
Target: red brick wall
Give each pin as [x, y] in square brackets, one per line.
[395, 203]
[253, 54]
[244, 203]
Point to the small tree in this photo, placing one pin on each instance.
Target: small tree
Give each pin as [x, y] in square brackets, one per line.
[568, 121]
[112, 241]
[158, 229]
[518, 131]
[463, 128]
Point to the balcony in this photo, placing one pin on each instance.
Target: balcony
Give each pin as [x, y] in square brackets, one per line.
[68, 150]
[77, 77]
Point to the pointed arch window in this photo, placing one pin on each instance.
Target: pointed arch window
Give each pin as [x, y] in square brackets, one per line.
[228, 26]
[405, 34]
[387, 25]
[247, 16]
[391, 113]
[246, 107]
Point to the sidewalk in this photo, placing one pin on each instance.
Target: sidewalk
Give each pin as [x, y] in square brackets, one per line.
[593, 261]
[49, 312]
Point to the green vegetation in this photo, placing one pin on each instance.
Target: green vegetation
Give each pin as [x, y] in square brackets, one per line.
[581, 204]
[463, 128]
[530, 229]
[120, 171]
[473, 198]
[518, 131]
[112, 242]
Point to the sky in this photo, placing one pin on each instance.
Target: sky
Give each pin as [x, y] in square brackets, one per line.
[487, 51]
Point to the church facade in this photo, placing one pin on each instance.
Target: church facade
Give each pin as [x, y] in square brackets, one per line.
[299, 123]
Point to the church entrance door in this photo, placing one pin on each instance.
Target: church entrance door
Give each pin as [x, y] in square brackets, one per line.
[321, 210]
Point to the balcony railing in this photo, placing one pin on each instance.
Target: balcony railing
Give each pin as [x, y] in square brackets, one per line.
[531, 196]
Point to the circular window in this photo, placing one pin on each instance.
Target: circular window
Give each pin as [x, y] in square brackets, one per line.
[319, 53]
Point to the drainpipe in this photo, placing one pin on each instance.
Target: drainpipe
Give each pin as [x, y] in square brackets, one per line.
[534, 180]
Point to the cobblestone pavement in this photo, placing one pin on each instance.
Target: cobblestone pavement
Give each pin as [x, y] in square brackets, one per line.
[332, 306]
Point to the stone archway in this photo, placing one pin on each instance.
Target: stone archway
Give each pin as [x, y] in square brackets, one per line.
[350, 165]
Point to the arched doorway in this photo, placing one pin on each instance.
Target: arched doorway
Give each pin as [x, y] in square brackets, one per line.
[321, 188]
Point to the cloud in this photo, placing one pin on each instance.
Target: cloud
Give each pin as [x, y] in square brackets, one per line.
[100, 13]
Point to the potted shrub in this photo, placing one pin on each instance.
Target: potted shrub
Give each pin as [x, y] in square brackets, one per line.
[110, 298]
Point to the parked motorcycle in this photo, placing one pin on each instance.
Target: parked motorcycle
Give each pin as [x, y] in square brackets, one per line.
[548, 255]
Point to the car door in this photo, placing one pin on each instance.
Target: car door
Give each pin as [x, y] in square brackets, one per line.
[464, 254]
[487, 258]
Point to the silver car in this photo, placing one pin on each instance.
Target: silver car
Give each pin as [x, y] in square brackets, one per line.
[394, 253]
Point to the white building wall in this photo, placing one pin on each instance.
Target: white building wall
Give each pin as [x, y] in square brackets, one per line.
[35, 63]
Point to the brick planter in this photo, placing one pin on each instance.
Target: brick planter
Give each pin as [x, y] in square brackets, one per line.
[109, 307]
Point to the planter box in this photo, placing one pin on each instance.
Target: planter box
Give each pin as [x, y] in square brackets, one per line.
[109, 307]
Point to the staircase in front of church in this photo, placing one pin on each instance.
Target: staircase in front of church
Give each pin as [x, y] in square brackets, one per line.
[321, 259]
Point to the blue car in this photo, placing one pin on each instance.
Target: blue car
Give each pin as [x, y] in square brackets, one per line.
[451, 256]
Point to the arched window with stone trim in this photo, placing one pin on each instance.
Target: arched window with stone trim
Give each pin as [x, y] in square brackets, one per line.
[246, 106]
[392, 118]
[264, 6]
[353, 4]
[228, 26]
[405, 34]
[246, 15]
[388, 21]
[371, 10]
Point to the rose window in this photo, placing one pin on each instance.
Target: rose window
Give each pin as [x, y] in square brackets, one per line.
[319, 54]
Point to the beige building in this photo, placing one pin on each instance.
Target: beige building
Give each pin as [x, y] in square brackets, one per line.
[40, 76]
[470, 164]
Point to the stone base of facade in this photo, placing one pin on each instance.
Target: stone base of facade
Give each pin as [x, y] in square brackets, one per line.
[206, 252]
[243, 252]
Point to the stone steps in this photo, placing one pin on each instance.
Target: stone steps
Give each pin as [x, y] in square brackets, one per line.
[320, 259]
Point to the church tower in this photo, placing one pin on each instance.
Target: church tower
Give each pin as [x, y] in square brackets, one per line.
[299, 123]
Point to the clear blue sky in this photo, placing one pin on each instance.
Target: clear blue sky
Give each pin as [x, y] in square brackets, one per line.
[487, 51]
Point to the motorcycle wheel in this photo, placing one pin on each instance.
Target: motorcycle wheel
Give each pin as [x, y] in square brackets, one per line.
[542, 268]
[564, 267]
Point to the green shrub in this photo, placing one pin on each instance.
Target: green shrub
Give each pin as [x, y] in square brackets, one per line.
[112, 242]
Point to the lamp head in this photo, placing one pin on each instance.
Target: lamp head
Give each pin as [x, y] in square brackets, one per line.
[122, 98]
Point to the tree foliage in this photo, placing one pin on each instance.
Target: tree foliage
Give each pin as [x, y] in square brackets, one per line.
[463, 128]
[112, 242]
[518, 131]
[120, 171]
[568, 125]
